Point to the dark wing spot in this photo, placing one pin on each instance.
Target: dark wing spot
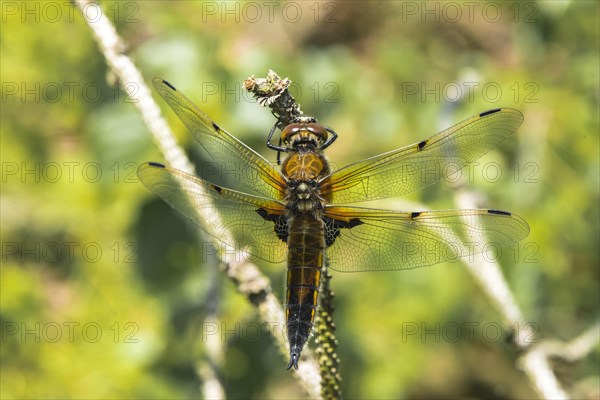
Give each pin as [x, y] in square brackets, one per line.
[216, 127]
[333, 226]
[422, 144]
[488, 112]
[415, 214]
[264, 214]
[352, 223]
[280, 223]
[169, 85]
[216, 188]
[155, 164]
[499, 212]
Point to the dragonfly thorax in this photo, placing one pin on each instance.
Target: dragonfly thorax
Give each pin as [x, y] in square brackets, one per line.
[304, 197]
[305, 166]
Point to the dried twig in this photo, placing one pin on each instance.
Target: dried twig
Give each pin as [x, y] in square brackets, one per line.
[490, 278]
[535, 361]
[535, 358]
[248, 278]
[272, 92]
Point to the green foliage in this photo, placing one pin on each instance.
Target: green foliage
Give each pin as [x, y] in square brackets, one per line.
[104, 289]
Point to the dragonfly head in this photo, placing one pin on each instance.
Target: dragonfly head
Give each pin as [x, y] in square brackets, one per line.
[303, 133]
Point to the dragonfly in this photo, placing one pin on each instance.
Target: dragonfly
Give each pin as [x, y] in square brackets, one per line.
[303, 212]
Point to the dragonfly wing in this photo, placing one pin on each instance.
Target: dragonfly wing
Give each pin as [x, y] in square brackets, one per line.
[237, 162]
[365, 239]
[412, 167]
[253, 222]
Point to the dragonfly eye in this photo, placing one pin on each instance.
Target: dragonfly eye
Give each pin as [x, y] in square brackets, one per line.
[289, 131]
[304, 133]
[319, 131]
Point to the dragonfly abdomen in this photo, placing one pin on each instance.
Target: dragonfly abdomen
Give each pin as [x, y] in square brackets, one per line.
[306, 242]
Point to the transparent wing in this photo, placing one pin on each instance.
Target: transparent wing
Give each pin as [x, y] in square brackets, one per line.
[220, 212]
[236, 160]
[412, 167]
[366, 239]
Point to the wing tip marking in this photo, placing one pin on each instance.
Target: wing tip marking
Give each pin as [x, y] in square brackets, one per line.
[354, 222]
[415, 214]
[421, 144]
[168, 85]
[156, 165]
[349, 224]
[279, 223]
[489, 112]
[263, 213]
[499, 212]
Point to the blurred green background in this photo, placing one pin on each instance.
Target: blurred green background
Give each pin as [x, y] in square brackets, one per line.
[104, 288]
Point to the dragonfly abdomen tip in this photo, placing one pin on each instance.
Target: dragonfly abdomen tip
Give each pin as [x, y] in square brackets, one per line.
[293, 360]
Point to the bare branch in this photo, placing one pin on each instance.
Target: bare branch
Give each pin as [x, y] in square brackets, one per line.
[246, 275]
[491, 280]
[576, 348]
[536, 359]
[272, 91]
[489, 276]
[536, 365]
[132, 83]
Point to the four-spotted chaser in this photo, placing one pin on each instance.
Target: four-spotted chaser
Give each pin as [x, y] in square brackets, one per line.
[301, 212]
